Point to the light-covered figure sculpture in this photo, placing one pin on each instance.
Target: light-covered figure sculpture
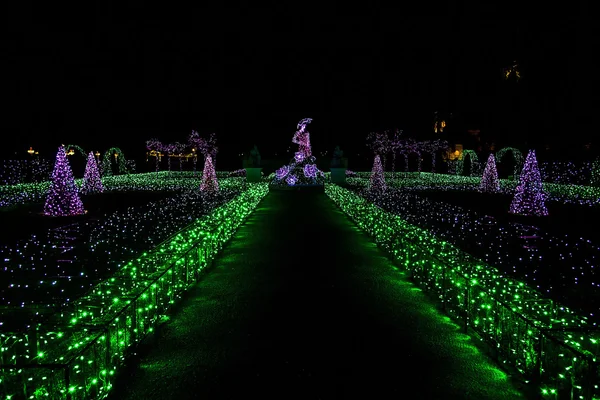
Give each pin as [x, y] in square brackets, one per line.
[302, 138]
[302, 169]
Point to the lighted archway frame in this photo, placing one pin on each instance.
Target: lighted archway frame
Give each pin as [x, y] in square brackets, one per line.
[406, 153]
[106, 161]
[78, 148]
[460, 163]
[517, 157]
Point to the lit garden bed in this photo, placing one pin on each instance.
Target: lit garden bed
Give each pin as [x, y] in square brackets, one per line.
[560, 265]
[579, 194]
[548, 344]
[75, 354]
[11, 195]
[61, 264]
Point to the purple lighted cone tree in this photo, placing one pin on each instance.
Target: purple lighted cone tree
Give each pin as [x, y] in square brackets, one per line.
[530, 198]
[489, 180]
[63, 199]
[377, 182]
[209, 177]
[91, 179]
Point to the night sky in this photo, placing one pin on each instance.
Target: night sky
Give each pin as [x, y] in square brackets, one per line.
[102, 76]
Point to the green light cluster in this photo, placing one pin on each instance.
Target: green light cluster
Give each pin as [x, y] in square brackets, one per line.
[548, 344]
[75, 355]
[22, 193]
[429, 180]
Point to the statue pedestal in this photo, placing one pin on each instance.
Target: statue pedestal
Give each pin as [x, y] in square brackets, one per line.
[338, 175]
[253, 174]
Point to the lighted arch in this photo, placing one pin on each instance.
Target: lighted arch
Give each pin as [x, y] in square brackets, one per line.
[406, 153]
[78, 148]
[107, 162]
[517, 157]
[460, 163]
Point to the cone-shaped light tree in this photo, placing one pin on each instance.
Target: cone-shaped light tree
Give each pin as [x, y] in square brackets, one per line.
[91, 179]
[63, 198]
[530, 198]
[209, 177]
[377, 182]
[489, 180]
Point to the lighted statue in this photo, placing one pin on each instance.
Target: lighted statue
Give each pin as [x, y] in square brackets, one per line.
[302, 169]
[302, 139]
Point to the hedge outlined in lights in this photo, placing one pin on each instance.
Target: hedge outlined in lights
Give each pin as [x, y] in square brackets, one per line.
[585, 195]
[23, 193]
[549, 345]
[76, 356]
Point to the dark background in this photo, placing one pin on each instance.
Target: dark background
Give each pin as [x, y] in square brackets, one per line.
[102, 75]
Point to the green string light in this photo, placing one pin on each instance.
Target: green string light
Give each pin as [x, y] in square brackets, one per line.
[580, 194]
[76, 354]
[22, 193]
[548, 344]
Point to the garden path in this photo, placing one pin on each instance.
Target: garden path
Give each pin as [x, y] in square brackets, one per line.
[302, 305]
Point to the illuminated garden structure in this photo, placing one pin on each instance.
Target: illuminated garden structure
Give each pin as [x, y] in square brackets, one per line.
[302, 169]
[74, 354]
[63, 197]
[515, 319]
[195, 142]
[169, 149]
[154, 146]
[377, 181]
[530, 198]
[209, 177]
[489, 181]
[91, 179]
[381, 144]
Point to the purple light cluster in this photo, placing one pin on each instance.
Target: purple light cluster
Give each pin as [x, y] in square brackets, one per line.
[310, 171]
[302, 138]
[209, 177]
[302, 169]
[282, 172]
[291, 180]
[377, 181]
[530, 198]
[489, 180]
[91, 179]
[63, 198]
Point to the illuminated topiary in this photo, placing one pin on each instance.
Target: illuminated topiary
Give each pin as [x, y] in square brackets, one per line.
[489, 180]
[63, 198]
[377, 181]
[209, 177]
[530, 198]
[91, 179]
